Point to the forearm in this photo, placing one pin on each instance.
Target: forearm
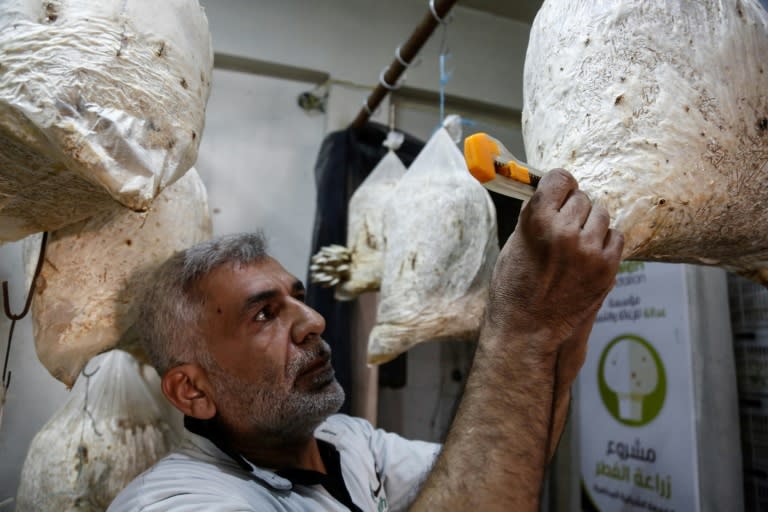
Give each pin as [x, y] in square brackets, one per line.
[496, 451]
[548, 283]
[570, 359]
[560, 408]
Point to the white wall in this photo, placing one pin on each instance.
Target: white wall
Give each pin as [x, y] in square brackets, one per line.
[33, 395]
[256, 160]
[354, 39]
[258, 149]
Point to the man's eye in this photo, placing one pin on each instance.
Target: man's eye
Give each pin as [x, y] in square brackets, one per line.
[263, 315]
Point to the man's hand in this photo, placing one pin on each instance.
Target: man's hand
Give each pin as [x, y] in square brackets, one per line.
[557, 267]
[549, 281]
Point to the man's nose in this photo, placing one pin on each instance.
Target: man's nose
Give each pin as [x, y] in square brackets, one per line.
[307, 324]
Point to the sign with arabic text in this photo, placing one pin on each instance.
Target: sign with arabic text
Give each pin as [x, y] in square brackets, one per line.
[637, 442]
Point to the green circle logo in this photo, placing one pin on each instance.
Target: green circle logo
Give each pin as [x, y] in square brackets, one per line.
[632, 381]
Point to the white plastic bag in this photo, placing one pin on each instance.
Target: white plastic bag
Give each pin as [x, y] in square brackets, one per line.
[84, 299]
[97, 100]
[115, 424]
[660, 110]
[365, 227]
[442, 243]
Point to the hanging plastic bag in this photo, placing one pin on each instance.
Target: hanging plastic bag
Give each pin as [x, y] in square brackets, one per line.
[357, 268]
[365, 231]
[114, 425]
[84, 299]
[663, 122]
[442, 244]
[98, 100]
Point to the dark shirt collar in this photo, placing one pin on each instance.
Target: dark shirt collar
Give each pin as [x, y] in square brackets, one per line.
[204, 428]
[332, 481]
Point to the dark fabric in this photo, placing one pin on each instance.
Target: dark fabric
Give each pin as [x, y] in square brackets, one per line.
[204, 428]
[345, 159]
[332, 480]
[507, 213]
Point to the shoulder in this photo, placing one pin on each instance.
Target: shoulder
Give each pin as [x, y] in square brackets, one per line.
[350, 433]
[341, 423]
[346, 432]
[181, 482]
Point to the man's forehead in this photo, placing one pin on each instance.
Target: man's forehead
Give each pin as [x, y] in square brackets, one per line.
[266, 273]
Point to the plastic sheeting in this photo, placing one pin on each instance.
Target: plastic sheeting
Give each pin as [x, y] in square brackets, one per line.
[98, 101]
[660, 111]
[84, 300]
[442, 244]
[365, 234]
[345, 159]
[115, 424]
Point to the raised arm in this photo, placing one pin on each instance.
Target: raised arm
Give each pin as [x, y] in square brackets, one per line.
[550, 279]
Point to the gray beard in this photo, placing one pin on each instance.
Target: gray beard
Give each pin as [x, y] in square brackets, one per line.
[276, 415]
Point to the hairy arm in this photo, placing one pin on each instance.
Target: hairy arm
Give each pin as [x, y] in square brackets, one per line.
[570, 359]
[549, 281]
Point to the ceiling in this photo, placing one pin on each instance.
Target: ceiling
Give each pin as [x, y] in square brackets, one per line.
[520, 10]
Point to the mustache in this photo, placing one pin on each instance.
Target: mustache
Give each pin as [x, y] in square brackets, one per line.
[319, 350]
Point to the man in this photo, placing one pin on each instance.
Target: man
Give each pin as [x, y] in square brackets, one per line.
[242, 357]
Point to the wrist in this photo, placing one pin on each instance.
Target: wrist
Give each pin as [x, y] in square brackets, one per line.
[519, 343]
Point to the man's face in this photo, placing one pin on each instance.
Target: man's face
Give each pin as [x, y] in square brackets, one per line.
[269, 368]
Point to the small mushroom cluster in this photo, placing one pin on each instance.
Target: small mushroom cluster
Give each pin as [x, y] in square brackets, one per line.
[330, 266]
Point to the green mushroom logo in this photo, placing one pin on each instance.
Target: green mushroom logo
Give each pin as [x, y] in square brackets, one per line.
[631, 380]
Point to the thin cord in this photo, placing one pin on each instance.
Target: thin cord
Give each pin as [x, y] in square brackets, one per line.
[445, 76]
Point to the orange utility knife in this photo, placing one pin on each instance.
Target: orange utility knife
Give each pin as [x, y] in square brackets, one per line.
[497, 169]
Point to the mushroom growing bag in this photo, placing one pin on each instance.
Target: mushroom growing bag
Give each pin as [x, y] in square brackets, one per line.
[115, 424]
[660, 109]
[365, 228]
[84, 299]
[441, 245]
[98, 100]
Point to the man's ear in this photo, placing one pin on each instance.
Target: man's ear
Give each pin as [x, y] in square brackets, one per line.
[189, 390]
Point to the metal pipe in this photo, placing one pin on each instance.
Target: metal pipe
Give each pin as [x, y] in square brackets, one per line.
[403, 57]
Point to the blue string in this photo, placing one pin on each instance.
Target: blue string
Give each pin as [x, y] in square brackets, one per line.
[445, 75]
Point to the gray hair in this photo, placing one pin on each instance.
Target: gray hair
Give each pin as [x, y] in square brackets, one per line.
[171, 306]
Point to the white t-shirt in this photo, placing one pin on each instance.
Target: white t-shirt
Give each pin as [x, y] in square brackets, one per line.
[382, 472]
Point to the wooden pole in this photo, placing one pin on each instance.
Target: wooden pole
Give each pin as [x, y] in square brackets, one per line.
[407, 53]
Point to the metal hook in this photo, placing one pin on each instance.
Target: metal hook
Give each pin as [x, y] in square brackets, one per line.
[432, 9]
[6, 378]
[91, 374]
[391, 87]
[366, 107]
[400, 58]
[28, 303]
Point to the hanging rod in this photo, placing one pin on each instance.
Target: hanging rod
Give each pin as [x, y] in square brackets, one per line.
[404, 55]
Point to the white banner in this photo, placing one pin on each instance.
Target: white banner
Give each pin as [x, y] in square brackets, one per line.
[635, 399]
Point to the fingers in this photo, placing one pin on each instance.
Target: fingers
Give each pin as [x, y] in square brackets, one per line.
[577, 208]
[562, 256]
[554, 189]
[598, 223]
[614, 244]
